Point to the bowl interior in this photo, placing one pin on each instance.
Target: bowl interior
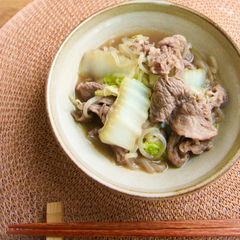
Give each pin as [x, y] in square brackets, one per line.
[137, 17]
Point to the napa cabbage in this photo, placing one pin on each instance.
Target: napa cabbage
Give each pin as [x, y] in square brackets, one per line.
[125, 118]
[97, 64]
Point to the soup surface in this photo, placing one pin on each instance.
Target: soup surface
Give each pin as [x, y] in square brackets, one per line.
[148, 101]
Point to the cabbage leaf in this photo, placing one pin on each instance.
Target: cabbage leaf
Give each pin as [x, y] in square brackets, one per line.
[125, 118]
[195, 77]
[107, 91]
[112, 80]
[97, 64]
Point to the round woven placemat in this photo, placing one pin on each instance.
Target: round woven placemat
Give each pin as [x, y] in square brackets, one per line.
[34, 170]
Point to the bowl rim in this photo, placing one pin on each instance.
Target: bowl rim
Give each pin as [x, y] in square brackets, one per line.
[114, 187]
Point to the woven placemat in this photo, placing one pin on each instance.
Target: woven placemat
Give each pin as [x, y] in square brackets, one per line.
[33, 168]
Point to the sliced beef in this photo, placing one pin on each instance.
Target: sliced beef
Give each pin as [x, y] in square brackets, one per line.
[192, 119]
[188, 113]
[216, 96]
[177, 157]
[106, 100]
[177, 42]
[78, 116]
[168, 55]
[94, 133]
[86, 90]
[188, 65]
[162, 61]
[149, 124]
[195, 146]
[179, 148]
[120, 154]
[100, 108]
[142, 47]
[163, 100]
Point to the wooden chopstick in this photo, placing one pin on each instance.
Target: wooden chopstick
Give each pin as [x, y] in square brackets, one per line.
[150, 225]
[183, 228]
[207, 232]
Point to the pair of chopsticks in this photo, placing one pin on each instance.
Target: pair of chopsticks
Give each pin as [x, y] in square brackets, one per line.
[178, 228]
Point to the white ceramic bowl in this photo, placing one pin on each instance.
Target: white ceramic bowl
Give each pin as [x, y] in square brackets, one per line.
[206, 37]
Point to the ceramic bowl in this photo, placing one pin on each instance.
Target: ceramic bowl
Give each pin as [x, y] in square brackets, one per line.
[120, 19]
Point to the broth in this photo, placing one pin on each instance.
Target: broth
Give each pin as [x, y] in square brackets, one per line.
[102, 148]
[137, 162]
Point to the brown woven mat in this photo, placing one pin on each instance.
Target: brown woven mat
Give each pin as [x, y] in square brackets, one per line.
[34, 170]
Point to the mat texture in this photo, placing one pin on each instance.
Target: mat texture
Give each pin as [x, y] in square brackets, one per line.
[33, 168]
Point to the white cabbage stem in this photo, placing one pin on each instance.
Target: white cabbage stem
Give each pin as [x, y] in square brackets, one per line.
[126, 116]
[195, 77]
[97, 64]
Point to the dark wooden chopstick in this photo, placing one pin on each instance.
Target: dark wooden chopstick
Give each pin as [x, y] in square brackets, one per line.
[183, 228]
[207, 232]
[150, 225]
